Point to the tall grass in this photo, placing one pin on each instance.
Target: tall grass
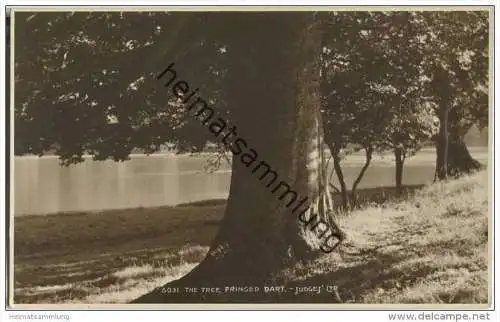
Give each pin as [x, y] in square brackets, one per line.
[430, 248]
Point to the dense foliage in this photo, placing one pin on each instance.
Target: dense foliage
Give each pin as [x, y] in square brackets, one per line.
[84, 81]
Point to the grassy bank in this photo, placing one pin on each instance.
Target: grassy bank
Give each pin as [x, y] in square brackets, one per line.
[429, 248]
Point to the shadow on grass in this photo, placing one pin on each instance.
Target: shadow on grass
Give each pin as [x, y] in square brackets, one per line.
[92, 245]
[387, 270]
[203, 203]
[341, 285]
[131, 229]
[377, 196]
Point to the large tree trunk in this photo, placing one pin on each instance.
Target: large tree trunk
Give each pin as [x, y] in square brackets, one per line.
[274, 95]
[458, 159]
[453, 157]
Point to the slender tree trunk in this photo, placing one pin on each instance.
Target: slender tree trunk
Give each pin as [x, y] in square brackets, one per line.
[274, 94]
[368, 159]
[442, 92]
[335, 151]
[442, 143]
[400, 159]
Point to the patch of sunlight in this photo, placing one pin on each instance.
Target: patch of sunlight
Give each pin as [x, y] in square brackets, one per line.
[70, 274]
[391, 249]
[132, 289]
[75, 265]
[451, 286]
[52, 289]
[442, 260]
[132, 271]
[44, 289]
[439, 238]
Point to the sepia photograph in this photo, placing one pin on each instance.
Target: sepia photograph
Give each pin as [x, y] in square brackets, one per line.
[322, 156]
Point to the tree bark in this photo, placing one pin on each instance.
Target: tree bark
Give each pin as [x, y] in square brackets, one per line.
[441, 87]
[400, 159]
[274, 94]
[442, 147]
[459, 160]
[452, 154]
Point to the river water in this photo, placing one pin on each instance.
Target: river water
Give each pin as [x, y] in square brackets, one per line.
[42, 186]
